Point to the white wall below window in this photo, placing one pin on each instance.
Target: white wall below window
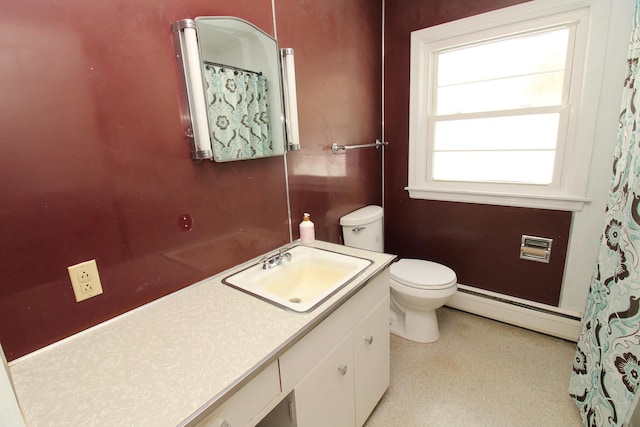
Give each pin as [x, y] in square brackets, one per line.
[587, 224]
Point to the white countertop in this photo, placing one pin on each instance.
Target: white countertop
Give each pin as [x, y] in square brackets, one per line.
[160, 363]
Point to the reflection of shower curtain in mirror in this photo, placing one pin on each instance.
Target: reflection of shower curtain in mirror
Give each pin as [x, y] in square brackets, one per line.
[238, 113]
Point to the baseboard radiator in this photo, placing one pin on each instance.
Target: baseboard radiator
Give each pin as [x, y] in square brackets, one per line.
[542, 318]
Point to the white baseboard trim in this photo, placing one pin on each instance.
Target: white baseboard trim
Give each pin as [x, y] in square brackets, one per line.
[542, 318]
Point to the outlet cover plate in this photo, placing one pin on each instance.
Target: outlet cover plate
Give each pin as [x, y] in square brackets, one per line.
[85, 280]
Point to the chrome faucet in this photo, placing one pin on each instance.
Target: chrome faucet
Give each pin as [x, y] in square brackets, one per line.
[275, 260]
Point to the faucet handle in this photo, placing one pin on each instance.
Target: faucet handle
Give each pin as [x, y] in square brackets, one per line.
[267, 262]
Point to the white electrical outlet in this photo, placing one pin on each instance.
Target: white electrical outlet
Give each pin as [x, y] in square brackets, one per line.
[85, 280]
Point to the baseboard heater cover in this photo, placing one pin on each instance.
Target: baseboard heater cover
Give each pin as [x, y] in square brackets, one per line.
[542, 318]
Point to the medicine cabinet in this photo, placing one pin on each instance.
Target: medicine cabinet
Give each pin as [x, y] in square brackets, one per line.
[238, 90]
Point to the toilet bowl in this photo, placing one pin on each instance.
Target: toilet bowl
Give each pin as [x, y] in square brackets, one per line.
[417, 287]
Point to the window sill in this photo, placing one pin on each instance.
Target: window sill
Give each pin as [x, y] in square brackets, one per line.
[559, 202]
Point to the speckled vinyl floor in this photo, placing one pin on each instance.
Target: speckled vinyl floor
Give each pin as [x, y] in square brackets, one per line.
[479, 373]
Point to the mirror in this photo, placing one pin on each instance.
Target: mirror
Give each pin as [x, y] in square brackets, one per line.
[234, 89]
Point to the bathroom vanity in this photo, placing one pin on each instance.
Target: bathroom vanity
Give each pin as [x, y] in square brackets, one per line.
[212, 355]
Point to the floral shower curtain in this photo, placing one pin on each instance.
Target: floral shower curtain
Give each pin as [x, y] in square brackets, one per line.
[606, 375]
[238, 113]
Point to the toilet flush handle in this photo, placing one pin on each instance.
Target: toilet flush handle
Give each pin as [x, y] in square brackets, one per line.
[369, 339]
[359, 229]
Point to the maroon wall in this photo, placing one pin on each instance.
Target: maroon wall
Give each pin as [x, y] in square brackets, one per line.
[95, 166]
[481, 243]
[338, 45]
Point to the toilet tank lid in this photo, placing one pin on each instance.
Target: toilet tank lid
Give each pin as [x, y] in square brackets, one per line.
[362, 216]
[421, 273]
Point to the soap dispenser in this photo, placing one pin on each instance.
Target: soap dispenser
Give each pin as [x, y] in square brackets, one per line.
[307, 230]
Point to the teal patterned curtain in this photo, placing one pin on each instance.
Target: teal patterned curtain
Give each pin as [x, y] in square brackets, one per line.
[606, 375]
[238, 113]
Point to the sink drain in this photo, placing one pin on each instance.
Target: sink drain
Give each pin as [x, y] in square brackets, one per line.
[295, 300]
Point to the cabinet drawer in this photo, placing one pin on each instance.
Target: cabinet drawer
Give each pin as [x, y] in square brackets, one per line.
[241, 408]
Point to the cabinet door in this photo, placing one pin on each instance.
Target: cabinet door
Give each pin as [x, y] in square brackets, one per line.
[325, 396]
[372, 362]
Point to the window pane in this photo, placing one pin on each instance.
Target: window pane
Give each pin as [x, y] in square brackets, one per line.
[527, 167]
[530, 132]
[527, 54]
[539, 90]
[523, 71]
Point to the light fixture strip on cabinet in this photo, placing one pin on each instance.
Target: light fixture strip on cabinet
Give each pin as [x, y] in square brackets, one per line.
[290, 98]
[194, 111]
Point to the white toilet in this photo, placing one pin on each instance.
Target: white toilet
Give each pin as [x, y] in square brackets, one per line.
[418, 287]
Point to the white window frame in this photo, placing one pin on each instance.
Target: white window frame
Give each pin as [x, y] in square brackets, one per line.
[568, 191]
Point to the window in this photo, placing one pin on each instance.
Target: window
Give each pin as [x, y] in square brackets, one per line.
[495, 104]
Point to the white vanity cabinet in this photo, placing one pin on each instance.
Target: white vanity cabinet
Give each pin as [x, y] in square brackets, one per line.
[337, 372]
[340, 369]
[220, 357]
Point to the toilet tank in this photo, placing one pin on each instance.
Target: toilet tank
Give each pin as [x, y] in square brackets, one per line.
[362, 228]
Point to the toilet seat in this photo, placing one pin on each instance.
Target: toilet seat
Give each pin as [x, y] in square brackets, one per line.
[421, 274]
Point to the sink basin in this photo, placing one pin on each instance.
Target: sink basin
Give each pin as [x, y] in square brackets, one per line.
[308, 278]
